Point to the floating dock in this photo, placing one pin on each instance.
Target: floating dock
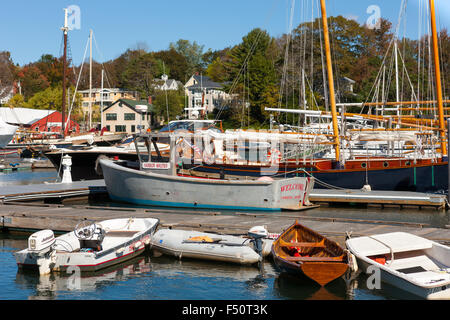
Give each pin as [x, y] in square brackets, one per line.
[60, 218]
[318, 196]
[19, 211]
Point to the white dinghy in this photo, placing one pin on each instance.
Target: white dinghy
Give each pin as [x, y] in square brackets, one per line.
[411, 263]
[90, 247]
[214, 247]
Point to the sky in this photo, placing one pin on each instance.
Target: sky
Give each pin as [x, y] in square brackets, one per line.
[30, 28]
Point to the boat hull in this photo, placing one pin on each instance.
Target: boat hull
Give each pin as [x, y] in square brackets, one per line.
[303, 252]
[433, 293]
[419, 178]
[67, 256]
[230, 249]
[146, 188]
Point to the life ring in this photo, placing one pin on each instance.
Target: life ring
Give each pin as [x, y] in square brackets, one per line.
[274, 156]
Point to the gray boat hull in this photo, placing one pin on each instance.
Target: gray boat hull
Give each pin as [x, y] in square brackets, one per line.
[148, 188]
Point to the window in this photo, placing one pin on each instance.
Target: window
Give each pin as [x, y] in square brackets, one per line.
[133, 128]
[121, 128]
[129, 116]
[108, 128]
[111, 116]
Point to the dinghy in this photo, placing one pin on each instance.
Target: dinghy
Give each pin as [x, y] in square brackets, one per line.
[302, 251]
[409, 262]
[90, 247]
[211, 246]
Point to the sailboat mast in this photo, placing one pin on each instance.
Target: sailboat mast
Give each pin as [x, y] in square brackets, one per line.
[65, 29]
[90, 79]
[437, 74]
[330, 80]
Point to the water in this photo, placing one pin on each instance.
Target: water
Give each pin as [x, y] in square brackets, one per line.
[166, 278]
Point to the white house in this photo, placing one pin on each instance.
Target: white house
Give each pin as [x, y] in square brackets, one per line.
[204, 95]
[167, 84]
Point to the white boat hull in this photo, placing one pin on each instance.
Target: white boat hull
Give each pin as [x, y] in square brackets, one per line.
[229, 249]
[411, 263]
[148, 188]
[118, 245]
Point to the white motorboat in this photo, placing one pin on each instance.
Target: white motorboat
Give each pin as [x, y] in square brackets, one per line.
[409, 262]
[90, 247]
[214, 247]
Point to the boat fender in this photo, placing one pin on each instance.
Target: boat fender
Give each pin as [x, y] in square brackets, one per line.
[120, 251]
[352, 262]
[98, 167]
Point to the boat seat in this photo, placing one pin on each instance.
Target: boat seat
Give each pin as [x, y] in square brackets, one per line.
[430, 277]
[121, 233]
[422, 261]
[285, 244]
[315, 259]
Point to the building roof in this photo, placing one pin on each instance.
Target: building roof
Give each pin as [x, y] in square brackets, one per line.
[205, 82]
[23, 116]
[98, 90]
[132, 104]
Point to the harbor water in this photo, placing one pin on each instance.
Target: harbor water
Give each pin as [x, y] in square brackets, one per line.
[151, 277]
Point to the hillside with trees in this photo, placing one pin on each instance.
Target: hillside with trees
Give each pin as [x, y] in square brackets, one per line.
[261, 71]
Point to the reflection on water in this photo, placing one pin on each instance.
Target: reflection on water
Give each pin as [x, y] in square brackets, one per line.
[167, 278]
[28, 177]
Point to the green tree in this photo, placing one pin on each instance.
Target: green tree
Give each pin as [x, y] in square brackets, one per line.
[193, 53]
[172, 100]
[139, 74]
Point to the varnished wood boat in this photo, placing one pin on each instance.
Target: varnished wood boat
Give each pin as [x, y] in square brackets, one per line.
[302, 251]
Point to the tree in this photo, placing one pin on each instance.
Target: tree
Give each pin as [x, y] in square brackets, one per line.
[51, 99]
[139, 74]
[16, 101]
[193, 53]
[6, 73]
[32, 81]
[175, 62]
[168, 99]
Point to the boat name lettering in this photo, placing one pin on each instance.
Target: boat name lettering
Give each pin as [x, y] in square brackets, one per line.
[290, 187]
[156, 165]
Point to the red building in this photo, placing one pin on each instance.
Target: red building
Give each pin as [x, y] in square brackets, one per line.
[52, 123]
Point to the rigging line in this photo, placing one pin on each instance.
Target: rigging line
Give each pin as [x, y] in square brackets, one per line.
[286, 54]
[78, 81]
[103, 59]
[234, 84]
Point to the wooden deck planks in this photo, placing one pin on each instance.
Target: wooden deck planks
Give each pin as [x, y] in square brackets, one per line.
[64, 218]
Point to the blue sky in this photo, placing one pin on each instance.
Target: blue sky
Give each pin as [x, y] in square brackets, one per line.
[31, 28]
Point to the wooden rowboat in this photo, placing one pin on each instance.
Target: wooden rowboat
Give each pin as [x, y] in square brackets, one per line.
[302, 251]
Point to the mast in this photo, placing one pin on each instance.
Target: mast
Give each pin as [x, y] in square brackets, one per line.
[101, 104]
[330, 80]
[437, 73]
[65, 29]
[90, 80]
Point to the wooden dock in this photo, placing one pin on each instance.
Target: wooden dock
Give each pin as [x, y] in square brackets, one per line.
[30, 217]
[19, 211]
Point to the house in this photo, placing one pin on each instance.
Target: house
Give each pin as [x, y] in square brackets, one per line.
[347, 85]
[166, 84]
[204, 95]
[126, 115]
[110, 95]
[52, 123]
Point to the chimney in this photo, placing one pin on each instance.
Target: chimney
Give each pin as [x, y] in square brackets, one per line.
[149, 99]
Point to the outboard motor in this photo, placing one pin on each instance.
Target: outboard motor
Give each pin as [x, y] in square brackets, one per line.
[257, 234]
[41, 242]
[40, 247]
